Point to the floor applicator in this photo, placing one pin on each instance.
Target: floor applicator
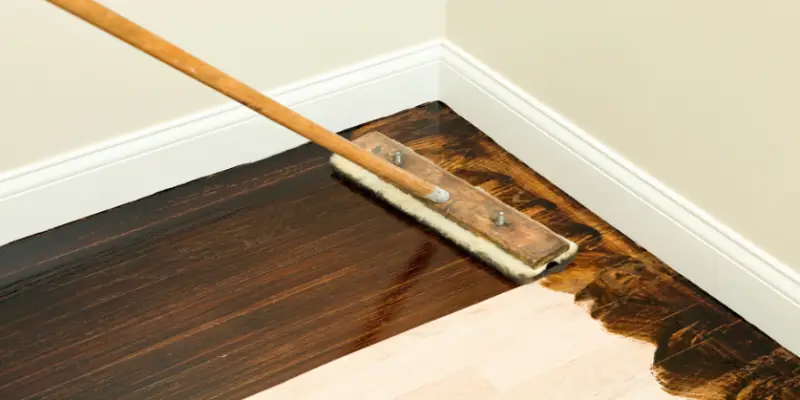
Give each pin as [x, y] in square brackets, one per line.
[516, 245]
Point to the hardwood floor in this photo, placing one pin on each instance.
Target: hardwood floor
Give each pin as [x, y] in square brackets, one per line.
[232, 284]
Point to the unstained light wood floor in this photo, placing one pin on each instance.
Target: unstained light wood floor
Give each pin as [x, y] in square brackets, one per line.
[271, 276]
[527, 343]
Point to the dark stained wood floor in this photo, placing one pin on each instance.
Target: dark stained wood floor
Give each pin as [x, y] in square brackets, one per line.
[231, 284]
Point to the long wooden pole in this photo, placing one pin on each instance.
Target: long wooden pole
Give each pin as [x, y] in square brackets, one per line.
[146, 41]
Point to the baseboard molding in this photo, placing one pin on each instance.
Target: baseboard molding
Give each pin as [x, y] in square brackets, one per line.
[746, 279]
[736, 272]
[110, 174]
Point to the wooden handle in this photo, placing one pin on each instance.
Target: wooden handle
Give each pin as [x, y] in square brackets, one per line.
[135, 35]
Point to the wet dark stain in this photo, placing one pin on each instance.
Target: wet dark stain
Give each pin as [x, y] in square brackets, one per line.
[389, 304]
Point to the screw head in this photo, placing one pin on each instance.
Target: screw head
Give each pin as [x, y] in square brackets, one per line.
[500, 219]
[397, 158]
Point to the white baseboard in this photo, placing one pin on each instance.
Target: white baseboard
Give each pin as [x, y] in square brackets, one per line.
[734, 271]
[43, 196]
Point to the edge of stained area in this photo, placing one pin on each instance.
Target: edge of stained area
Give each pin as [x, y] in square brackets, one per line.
[702, 349]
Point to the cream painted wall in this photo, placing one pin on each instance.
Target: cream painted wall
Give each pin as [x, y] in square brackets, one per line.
[702, 95]
[65, 84]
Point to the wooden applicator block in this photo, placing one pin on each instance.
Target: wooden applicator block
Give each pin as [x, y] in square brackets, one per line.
[516, 245]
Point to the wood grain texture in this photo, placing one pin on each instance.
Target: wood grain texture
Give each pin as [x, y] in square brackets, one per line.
[229, 285]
